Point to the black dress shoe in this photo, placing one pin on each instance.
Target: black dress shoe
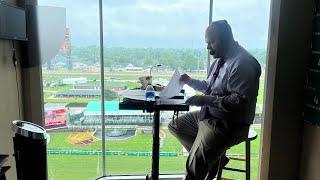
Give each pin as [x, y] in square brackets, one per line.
[213, 172]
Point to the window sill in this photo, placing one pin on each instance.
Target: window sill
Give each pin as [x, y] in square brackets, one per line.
[162, 177]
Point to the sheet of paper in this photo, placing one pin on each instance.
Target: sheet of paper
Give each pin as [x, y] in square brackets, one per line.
[173, 88]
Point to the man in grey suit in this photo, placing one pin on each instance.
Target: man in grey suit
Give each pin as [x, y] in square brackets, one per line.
[227, 104]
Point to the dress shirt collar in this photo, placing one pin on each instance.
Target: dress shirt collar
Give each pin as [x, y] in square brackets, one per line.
[232, 51]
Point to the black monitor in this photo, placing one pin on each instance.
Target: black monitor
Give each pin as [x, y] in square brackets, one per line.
[12, 22]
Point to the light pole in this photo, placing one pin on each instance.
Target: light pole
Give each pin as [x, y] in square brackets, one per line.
[158, 65]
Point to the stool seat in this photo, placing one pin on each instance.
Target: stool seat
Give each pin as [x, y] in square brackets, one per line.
[252, 135]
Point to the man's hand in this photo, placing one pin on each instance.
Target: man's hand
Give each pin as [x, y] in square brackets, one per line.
[184, 79]
[196, 100]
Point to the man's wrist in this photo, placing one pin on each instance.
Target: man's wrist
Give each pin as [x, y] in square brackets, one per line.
[189, 82]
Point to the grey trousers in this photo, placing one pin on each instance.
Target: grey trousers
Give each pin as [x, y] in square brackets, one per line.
[205, 141]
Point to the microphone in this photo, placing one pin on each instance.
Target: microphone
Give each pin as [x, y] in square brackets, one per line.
[158, 65]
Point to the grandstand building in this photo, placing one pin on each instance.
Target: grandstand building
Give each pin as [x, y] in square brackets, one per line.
[77, 80]
[114, 116]
[131, 68]
[98, 87]
[79, 93]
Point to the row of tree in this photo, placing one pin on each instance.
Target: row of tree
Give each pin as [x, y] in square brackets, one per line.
[188, 59]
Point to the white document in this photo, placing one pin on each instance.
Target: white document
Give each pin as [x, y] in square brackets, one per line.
[173, 88]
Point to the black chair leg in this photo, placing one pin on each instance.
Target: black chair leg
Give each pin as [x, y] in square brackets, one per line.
[248, 158]
[221, 162]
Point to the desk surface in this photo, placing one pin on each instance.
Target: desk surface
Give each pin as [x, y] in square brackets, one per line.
[159, 104]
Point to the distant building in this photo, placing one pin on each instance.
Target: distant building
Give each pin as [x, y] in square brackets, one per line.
[131, 68]
[98, 87]
[76, 93]
[86, 87]
[79, 66]
[78, 80]
[60, 65]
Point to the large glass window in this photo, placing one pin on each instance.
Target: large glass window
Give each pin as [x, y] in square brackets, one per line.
[71, 84]
[249, 20]
[170, 33]
[138, 34]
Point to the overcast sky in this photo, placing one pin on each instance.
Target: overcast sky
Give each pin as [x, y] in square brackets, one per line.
[163, 23]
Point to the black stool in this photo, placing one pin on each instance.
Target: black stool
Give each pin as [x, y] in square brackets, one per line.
[251, 136]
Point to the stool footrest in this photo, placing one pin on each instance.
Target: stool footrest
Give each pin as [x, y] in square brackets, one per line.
[237, 159]
[234, 169]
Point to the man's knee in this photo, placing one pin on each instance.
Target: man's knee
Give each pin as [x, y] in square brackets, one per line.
[172, 126]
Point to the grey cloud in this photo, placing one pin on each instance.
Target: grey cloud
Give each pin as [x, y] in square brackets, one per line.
[143, 23]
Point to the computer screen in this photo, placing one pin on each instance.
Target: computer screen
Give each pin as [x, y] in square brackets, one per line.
[12, 22]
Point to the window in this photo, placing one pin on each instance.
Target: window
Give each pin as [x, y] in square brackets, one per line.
[249, 20]
[138, 34]
[151, 33]
[70, 86]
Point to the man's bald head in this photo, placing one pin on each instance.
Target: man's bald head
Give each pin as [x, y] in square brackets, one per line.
[218, 37]
[222, 29]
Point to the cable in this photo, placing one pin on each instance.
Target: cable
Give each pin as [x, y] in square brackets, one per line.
[175, 115]
[18, 92]
[14, 59]
[15, 63]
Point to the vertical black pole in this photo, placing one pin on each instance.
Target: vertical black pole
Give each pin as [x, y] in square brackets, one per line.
[156, 145]
[248, 159]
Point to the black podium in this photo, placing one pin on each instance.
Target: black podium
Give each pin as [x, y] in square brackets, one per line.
[156, 107]
[30, 150]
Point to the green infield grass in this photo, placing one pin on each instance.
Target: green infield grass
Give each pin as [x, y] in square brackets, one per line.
[84, 167]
